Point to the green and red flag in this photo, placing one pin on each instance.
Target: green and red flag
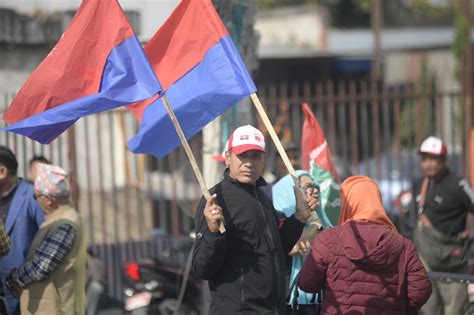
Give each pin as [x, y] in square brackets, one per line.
[317, 159]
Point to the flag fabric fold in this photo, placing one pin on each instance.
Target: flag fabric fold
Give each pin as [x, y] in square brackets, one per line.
[97, 65]
[317, 159]
[201, 72]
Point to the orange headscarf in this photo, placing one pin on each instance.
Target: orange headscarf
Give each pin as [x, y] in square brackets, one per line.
[361, 201]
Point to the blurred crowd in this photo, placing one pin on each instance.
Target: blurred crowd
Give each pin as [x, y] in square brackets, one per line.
[266, 248]
[360, 264]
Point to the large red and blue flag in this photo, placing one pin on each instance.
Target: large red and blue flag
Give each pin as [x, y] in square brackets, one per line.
[97, 65]
[201, 72]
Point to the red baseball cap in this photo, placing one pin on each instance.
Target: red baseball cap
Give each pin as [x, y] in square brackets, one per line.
[246, 138]
[433, 146]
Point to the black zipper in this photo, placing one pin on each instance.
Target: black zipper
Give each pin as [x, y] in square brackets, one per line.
[242, 295]
[277, 265]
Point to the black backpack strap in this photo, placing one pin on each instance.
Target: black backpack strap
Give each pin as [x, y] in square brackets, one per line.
[294, 288]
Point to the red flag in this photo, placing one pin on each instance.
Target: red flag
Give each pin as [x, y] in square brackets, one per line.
[97, 65]
[201, 71]
[314, 148]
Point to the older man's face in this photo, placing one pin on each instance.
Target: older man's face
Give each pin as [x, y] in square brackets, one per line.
[44, 202]
[246, 167]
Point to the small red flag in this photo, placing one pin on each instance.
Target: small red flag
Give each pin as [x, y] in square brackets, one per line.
[314, 147]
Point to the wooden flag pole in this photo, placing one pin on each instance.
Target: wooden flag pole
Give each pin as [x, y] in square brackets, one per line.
[273, 135]
[280, 149]
[189, 153]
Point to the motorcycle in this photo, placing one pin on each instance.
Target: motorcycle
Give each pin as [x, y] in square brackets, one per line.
[153, 287]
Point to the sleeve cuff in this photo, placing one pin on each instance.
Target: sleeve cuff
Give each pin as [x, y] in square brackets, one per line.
[295, 222]
[212, 234]
[13, 277]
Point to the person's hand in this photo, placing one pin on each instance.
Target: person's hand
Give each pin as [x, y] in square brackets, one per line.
[312, 196]
[301, 212]
[307, 202]
[301, 248]
[466, 234]
[213, 214]
[426, 221]
[15, 290]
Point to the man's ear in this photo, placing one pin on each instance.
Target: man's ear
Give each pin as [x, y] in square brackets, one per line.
[227, 159]
[3, 172]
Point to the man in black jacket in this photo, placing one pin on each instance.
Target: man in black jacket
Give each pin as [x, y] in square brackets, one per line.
[445, 202]
[245, 265]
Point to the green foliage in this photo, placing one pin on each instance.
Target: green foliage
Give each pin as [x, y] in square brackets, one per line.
[349, 13]
[344, 13]
[356, 13]
[268, 4]
[425, 8]
[425, 88]
[461, 38]
[461, 45]
[424, 82]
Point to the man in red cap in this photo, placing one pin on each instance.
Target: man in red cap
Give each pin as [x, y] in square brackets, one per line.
[245, 265]
[445, 204]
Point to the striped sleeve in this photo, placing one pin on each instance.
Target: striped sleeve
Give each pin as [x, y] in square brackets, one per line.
[468, 197]
[47, 257]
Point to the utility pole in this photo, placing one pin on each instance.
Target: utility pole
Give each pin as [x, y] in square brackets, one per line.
[376, 21]
[466, 84]
[239, 18]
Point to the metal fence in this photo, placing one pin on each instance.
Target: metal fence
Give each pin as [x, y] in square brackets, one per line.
[372, 130]
[126, 198]
[121, 196]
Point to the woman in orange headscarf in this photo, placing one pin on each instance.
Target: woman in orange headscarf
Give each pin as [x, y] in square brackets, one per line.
[361, 201]
[364, 265]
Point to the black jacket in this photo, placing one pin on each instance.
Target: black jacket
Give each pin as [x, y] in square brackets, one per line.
[448, 201]
[245, 266]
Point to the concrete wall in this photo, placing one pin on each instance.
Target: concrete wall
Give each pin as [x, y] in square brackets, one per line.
[152, 12]
[406, 66]
[401, 67]
[111, 218]
[291, 29]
